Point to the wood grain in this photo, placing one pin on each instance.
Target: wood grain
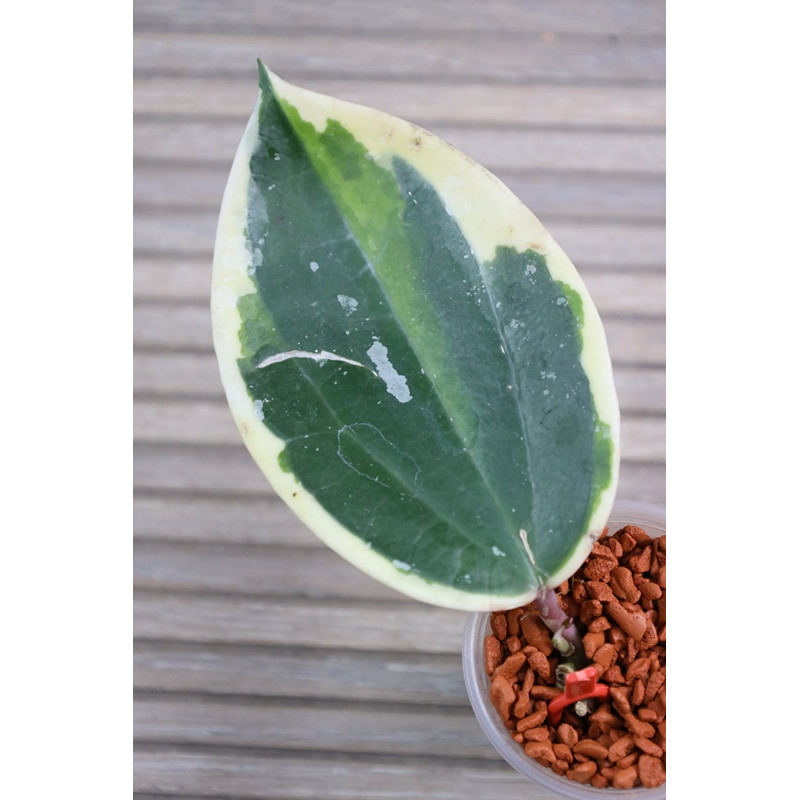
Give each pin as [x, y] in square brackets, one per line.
[306, 726]
[265, 666]
[276, 776]
[606, 245]
[187, 328]
[205, 422]
[625, 17]
[166, 375]
[299, 673]
[476, 103]
[159, 185]
[637, 152]
[513, 59]
[237, 569]
[231, 471]
[400, 625]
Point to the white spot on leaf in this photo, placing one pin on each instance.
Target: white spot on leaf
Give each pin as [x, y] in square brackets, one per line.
[396, 384]
[314, 266]
[349, 304]
[498, 552]
[401, 565]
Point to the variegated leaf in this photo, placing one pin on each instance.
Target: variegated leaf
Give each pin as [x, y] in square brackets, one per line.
[412, 361]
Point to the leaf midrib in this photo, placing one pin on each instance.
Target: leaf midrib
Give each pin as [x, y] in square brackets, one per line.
[369, 262]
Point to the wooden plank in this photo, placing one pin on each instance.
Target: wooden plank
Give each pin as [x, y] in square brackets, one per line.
[233, 520]
[311, 726]
[214, 142]
[605, 245]
[285, 671]
[231, 472]
[613, 292]
[624, 17]
[585, 196]
[631, 341]
[195, 376]
[270, 571]
[643, 438]
[510, 59]
[179, 421]
[198, 470]
[269, 776]
[249, 513]
[404, 625]
[641, 389]
[423, 102]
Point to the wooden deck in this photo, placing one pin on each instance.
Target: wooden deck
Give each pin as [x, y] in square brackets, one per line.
[265, 666]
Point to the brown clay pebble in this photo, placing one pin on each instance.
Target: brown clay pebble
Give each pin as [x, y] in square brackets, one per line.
[502, 696]
[633, 623]
[536, 734]
[591, 748]
[536, 633]
[637, 695]
[511, 666]
[493, 654]
[617, 600]
[620, 748]
[499, 625]
[621, 583]
[605, 655]
[512, 620]
[637, 533]
[532, 721]
[542, 749]
[600, 591]
[592, 641]
[648, 747]
[651, 771]
[625, 778]
[563, 752]
[567, 734]
[583, 772]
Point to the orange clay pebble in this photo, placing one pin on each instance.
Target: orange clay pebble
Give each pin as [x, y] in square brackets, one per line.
[618, 602]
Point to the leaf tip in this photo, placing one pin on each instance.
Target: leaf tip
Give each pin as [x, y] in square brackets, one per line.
[263, 76]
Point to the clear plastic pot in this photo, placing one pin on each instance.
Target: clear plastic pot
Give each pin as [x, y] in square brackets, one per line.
[653, 520]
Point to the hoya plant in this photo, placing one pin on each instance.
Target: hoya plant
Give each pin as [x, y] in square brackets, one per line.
[412, 361]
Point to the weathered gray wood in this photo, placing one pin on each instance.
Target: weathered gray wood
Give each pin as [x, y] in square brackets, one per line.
[189, 280]
[598, 244]
[594, 59]
[639, 152]
[278, 777]
[195, 375]
[264, 665]
[233, 520]
[231, 471]
[403, 625]
[308, 726]
[627, 17]
[299, 672]
[208, 422]
[198, 470]
[584, 196]
[188, 328]
[270, 571]
[422, 102]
